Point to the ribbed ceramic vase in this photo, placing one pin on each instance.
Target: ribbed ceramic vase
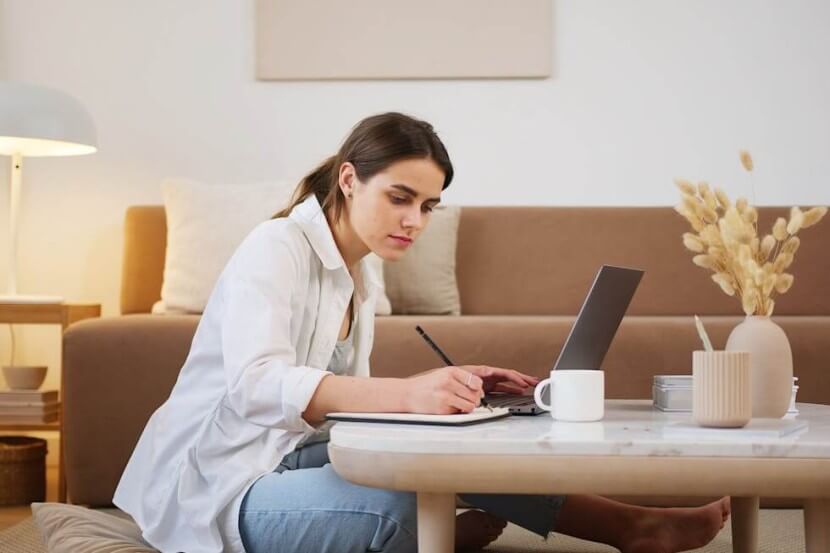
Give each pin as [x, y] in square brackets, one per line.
[771, 364]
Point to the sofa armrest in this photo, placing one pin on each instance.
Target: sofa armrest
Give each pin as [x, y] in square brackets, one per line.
[117, 371]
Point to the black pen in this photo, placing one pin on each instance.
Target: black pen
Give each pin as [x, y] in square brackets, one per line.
[443, 356]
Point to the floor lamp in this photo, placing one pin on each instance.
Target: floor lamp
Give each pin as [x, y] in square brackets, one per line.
[37, 121]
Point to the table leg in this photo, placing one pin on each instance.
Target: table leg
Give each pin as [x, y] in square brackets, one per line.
[817, 525]
[745, 524]
[436, 522]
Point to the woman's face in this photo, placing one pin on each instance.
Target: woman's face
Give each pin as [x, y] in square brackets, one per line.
[390, 210]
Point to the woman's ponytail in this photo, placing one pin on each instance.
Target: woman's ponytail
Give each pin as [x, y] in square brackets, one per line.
[319, 182]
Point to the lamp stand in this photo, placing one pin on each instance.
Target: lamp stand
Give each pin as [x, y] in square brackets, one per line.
[14, 209]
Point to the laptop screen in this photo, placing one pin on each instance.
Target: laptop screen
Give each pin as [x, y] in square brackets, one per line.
[598, 319]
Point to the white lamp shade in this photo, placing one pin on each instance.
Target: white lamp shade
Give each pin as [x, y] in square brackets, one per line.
[40, 121]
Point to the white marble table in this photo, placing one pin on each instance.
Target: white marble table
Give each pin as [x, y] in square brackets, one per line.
[631, 452]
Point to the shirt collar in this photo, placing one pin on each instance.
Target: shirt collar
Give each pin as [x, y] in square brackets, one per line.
[310, 217]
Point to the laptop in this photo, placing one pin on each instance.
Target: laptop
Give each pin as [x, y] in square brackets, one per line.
[591, 334]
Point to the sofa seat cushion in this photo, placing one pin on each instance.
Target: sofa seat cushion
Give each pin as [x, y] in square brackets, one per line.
[118, 370]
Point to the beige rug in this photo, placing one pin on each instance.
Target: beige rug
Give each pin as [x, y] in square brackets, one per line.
[23, 537]
[781, 531]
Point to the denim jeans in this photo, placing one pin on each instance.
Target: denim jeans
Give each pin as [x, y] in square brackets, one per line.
[305, 506]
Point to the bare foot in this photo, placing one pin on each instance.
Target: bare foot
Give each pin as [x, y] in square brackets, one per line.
[474, 530]
[656, 530]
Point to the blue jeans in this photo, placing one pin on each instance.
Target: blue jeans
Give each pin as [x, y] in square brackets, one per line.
[305, 506]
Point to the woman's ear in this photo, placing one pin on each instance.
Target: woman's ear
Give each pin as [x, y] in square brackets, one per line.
[347, 179]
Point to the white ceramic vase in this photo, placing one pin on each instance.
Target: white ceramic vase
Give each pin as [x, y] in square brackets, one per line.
[771, 364]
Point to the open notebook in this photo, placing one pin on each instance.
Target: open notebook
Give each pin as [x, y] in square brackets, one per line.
[479, 414]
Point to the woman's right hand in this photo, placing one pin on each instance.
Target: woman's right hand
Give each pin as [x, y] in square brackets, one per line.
[443, 391]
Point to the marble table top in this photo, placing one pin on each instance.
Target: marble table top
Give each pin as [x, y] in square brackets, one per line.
[630, 427]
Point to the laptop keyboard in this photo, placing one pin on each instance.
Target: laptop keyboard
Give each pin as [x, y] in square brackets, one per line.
[509, 400]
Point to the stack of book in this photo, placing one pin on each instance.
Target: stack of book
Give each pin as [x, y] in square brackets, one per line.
[28, 406]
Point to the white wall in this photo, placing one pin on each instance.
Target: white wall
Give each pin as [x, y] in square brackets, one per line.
[643, 91]
[3, 49]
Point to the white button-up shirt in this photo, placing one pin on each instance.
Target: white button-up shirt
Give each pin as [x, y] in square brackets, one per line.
[260, 350]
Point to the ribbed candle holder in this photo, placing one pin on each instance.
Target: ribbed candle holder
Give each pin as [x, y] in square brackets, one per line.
[722, 390]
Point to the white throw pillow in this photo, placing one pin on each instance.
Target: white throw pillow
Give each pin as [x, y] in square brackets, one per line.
[205, 225]
[423, 281]
[71, 528]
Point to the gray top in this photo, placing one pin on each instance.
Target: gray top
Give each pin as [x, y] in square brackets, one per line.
[340, 362]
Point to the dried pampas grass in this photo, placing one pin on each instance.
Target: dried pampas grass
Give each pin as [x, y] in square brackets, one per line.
[725, 240]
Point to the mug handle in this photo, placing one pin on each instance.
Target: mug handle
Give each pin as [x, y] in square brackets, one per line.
[537, 394]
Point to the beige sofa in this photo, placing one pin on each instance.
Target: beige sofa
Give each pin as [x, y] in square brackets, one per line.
[522, 274]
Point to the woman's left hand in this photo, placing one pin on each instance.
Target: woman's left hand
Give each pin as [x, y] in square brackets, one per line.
[495, 379]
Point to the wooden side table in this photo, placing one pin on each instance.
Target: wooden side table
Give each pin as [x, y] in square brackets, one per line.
[63, 314]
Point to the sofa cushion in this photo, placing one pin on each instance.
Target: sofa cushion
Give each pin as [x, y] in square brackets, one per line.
[70, 528]
[541, 260]
[423, 281]
[205, 224]
[521, 260]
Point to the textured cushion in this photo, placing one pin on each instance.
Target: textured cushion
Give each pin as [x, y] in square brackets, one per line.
[70, 529]
[423, 280]
[205, 224]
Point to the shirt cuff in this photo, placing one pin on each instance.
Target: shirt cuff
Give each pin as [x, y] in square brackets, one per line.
[298, 390]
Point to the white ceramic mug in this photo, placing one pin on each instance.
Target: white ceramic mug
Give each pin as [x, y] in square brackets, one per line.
[575, 395]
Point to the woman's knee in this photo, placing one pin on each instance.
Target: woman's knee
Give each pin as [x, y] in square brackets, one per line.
[396, 529]
[400, 507]
[388, 521]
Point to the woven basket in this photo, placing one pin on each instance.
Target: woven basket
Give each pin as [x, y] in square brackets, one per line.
[22, 470]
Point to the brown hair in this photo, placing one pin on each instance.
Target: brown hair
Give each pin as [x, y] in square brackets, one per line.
[374, 144]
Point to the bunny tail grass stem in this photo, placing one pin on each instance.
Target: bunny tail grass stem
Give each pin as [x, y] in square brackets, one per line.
[707, 345]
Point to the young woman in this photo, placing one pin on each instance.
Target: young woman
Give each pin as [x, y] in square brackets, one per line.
[235, 459]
